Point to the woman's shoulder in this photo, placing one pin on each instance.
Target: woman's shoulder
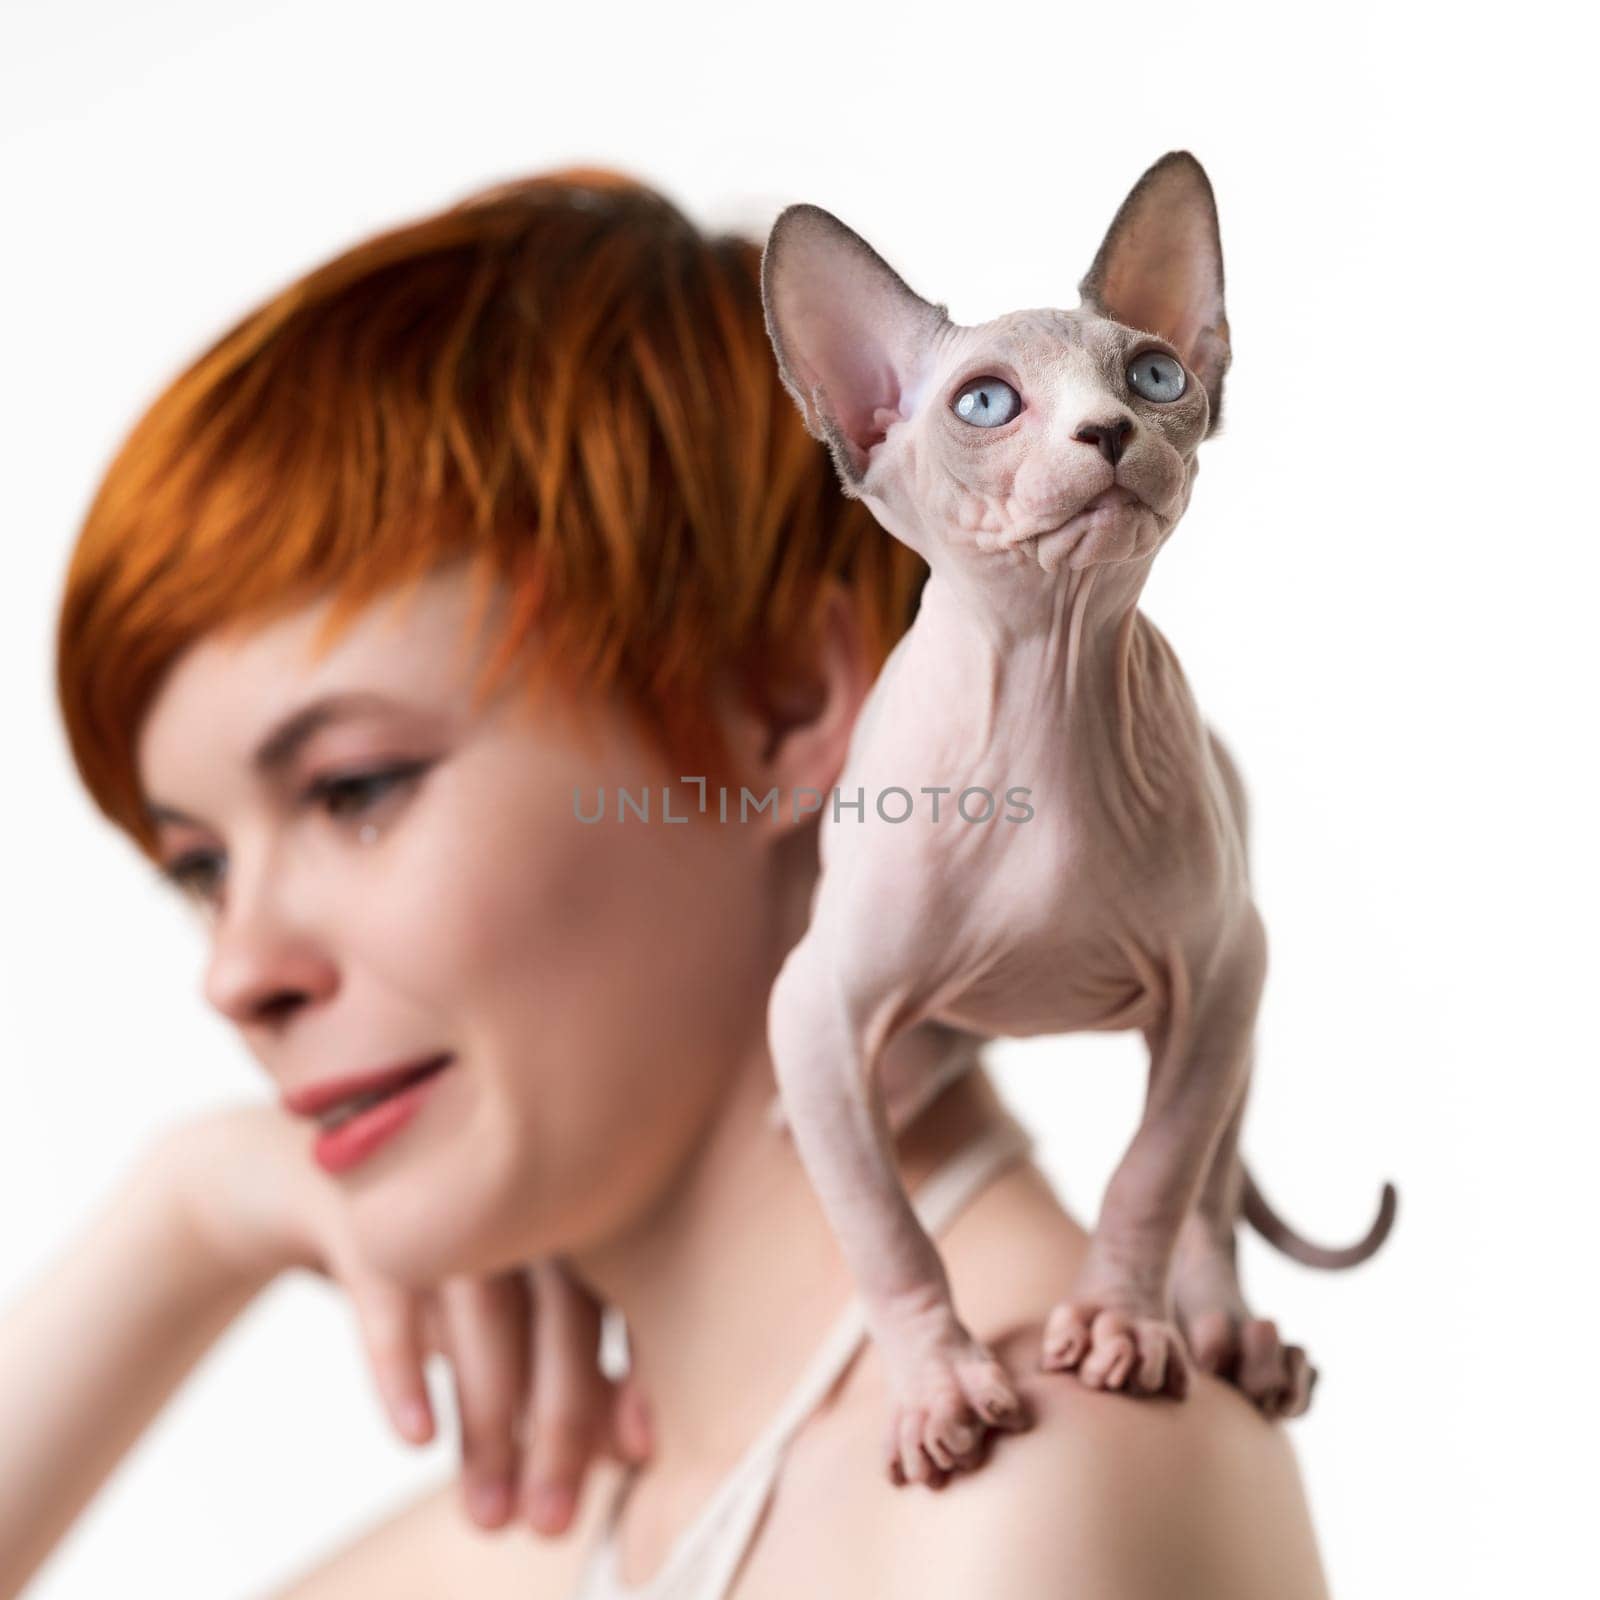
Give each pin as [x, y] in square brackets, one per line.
[1102, 1494]
[428, 1547]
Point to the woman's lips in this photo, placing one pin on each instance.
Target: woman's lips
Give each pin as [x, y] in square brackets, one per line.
[337, 1150]
[316, 1098]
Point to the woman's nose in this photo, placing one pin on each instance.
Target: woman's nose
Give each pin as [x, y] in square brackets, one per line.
[264, 964]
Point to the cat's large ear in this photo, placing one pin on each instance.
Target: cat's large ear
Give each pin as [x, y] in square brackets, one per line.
[853, 342]
[1160, 269]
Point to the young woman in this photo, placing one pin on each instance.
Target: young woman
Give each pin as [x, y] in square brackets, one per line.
[378, 615]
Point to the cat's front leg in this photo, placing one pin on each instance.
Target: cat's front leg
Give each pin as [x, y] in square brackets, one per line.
[1115, 1328]
[948, 1389]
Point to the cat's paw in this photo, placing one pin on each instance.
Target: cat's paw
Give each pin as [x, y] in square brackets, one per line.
[1246, 1351]
[1114, 1347]
[948, 1398]
[1226, 1339]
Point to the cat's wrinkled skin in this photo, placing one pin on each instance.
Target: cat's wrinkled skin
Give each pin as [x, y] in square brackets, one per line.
[1124, 900]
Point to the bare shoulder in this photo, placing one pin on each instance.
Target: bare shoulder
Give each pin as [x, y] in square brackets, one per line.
[1103, 1495]
[428, 1548]
[1109, 1495]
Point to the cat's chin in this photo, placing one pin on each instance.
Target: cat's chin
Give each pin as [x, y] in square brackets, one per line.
[1114, 526]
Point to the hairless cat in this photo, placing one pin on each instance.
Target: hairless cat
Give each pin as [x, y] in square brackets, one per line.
[1037, 462]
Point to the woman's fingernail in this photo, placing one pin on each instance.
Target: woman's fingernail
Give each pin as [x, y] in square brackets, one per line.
[414, 1420]
[636, 1423]
[489, 1502]
[552, 1504]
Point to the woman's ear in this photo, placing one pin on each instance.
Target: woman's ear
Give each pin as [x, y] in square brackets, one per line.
[795, 736]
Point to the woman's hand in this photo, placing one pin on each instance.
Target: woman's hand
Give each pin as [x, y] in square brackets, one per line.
[522, 1347]
[535, 1407]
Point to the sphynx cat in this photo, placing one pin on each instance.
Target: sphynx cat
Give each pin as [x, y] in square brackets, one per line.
[1037, 462]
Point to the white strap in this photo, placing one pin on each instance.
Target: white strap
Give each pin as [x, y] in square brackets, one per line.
[721, 1533]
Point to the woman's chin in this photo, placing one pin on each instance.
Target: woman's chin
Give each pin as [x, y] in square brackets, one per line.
[433, 1205]
[415, 1232]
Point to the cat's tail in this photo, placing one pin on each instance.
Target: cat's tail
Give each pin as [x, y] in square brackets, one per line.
[1281, 1236]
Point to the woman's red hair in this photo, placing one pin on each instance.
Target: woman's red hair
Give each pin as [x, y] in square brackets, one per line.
[559, 379]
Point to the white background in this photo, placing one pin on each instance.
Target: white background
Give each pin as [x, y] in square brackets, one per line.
[1382, 594]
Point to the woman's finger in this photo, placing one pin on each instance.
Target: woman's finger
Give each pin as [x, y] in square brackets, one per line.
[487, 1326]
[435, 1338]
[390, 1320]
[571, 1400]
[629, 1439]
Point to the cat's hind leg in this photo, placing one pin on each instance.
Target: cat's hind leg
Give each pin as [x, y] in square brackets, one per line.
[1224, 1336]
[1115, 1328]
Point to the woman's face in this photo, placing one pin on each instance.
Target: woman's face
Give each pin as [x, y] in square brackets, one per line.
[411, 877]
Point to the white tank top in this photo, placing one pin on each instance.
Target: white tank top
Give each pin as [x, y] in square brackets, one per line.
[705, 1557]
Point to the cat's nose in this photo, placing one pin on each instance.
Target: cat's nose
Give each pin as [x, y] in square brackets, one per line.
[1111, 437]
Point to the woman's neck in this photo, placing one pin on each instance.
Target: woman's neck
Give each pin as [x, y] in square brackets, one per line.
[730, 1284]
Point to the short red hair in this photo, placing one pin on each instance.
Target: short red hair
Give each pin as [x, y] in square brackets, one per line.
[560, 379]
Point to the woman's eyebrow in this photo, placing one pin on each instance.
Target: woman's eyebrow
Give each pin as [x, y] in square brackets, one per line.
[278, 746]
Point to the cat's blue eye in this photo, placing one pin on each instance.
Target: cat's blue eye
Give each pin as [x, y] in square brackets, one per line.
[987, 403]
[1157, 376]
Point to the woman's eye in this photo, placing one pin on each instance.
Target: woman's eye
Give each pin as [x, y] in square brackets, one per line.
[196, 874]
[1156, 376]
[987, 403]
[356, 792]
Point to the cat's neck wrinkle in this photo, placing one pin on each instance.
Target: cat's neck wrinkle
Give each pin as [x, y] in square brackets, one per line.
[1078, 655]
[1126, 705]
[1153, 722]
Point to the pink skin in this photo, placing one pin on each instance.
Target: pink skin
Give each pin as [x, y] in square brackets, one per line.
[567, 966]
[482, 919]
[1124, 900]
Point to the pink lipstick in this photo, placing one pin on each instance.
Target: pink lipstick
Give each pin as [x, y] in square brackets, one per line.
[359, 1114]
